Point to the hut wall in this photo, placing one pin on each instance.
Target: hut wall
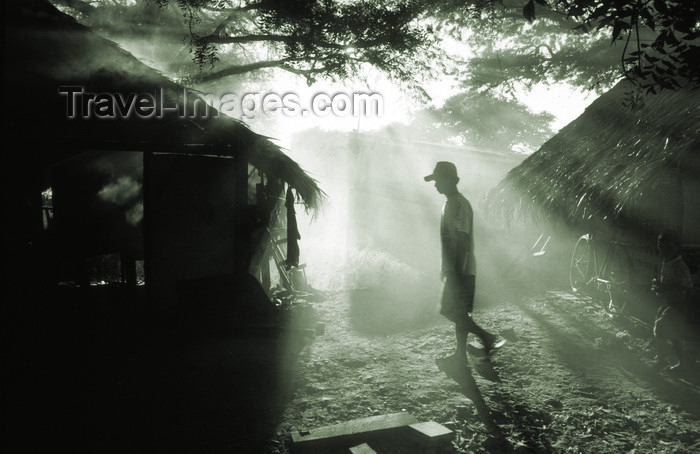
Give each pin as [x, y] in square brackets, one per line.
[98, 207]
[660, 205]
[670, 202]
[191, 219]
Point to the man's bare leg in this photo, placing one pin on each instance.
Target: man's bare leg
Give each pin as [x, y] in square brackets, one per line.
[487, 338]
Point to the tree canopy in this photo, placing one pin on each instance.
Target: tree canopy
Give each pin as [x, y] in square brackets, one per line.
[655, 43]
[588, 43]
[311, 38]
[481, 120]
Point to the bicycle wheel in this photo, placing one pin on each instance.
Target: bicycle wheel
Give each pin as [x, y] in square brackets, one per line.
[580, 268]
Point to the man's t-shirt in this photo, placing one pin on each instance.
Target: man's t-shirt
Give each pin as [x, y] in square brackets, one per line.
[457, 216]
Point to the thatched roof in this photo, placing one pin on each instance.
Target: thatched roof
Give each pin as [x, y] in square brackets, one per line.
[606, 160]
[46, 49]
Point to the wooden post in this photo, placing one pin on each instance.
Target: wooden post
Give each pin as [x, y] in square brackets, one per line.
[148, 196]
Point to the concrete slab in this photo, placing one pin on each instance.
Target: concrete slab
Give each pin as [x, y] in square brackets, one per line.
[350, 433]
[364, 448]
[431, 433]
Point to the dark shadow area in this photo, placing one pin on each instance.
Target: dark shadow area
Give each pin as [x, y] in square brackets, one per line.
[505, 412]
[486, 371]
[579, 356]
[639, 324]
[81, 373]
[638, 321]
[461, 374]
[527, 423]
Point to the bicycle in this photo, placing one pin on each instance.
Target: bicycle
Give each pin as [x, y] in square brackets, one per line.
[609, 274]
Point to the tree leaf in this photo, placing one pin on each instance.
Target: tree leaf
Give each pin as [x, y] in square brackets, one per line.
[660, 6]
[648, 18]
[617, 29]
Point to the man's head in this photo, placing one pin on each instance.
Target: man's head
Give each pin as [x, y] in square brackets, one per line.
[445, 177]
[669, 244]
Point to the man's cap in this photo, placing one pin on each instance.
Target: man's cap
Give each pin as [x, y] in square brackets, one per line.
[443, 170]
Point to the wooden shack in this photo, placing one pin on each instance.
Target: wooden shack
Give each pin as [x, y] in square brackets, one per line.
[184, 193]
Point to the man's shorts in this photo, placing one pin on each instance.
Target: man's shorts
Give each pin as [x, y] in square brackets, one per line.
[457, 299]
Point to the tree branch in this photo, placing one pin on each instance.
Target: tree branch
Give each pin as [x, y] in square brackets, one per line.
[303, 72]
[214, 39]
[240, 69]
[252, 6]
[234, 13]
[622, 58]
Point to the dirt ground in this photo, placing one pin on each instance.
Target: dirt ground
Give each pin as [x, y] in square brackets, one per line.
[570, 379]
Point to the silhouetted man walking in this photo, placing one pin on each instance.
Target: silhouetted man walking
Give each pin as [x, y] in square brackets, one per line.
[458, 263]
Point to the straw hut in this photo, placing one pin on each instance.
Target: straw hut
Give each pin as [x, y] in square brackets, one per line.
[634, 171]
[187, 194]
